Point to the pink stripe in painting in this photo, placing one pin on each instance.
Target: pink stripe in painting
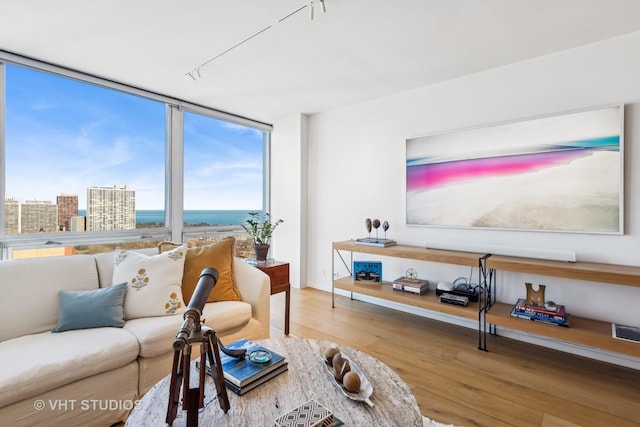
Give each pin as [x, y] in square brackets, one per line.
[427, 176]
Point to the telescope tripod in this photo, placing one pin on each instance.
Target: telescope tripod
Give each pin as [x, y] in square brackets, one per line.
[193, 398]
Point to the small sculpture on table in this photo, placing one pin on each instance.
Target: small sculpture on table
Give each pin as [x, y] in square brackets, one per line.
[376, 225]
[375, 241]
[535, 298]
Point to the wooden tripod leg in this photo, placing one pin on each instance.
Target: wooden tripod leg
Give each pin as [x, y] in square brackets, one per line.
[174, 388]
[213, 351]
[186, 374]
[203, 372]
[192, 407]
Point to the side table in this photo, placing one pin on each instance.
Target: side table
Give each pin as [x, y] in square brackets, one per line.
[278, 271]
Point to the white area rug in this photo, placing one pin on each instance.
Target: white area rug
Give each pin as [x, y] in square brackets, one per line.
[426, 422]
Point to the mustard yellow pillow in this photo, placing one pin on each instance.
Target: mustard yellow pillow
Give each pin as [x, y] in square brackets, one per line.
[218, 255]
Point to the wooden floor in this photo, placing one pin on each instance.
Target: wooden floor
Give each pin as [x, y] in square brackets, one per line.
[513, 384]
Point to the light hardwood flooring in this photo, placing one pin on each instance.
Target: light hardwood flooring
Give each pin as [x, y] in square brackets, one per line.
[514, 383]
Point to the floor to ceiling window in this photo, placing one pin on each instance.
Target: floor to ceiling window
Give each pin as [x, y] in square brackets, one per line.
[85, 165]
[224, 177]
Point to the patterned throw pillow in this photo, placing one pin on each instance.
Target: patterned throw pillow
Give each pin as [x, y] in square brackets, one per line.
[218, 255]
[153, 282]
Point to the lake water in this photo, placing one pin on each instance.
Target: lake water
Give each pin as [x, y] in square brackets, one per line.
[211, 217]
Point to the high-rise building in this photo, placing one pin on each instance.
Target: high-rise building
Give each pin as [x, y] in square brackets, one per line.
[67, 208]
[111, 208]
[38, 216]
[78, 223]
[11, 215]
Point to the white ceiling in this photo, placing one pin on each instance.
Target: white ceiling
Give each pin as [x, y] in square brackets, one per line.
[357, 50]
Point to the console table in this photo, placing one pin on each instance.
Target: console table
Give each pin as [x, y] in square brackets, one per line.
[488, 311]
[384, 290]
[306, 379]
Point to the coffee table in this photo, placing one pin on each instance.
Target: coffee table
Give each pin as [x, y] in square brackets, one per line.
[307, 378]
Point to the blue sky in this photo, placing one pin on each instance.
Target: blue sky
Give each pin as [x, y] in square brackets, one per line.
[63, 136]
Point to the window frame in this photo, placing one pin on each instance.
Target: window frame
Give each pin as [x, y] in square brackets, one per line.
[174, 229]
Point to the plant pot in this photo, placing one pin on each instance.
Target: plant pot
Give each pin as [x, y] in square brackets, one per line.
[261, 251]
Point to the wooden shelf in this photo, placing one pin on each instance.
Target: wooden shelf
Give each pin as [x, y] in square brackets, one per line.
[590, 271]
[470, 259]
[429, 300]
[583, 331]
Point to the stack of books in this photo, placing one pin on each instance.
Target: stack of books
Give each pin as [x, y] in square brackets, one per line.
[552, 316]
[243, 375]
[372, 241]
[410, 284]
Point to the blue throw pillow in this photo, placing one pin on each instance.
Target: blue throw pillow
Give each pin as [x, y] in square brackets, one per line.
[92, 309]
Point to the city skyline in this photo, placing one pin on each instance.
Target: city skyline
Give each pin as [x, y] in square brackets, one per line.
[62, 134]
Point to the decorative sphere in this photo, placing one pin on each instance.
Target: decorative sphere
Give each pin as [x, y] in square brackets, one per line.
[344, 368]
[337, 361]
[351, 381]
[329, 353]
[376, 223]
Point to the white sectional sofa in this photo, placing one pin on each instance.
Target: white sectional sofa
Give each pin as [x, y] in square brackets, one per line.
[92, 376]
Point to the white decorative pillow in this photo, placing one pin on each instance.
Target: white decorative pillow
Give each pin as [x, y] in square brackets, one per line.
[154, 283]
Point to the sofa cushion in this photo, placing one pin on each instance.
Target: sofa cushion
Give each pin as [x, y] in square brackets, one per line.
[92, 309]
[156, 334]
[30, 290]
[34, 364]
[104, 263]
[154, 282]
[218, 255]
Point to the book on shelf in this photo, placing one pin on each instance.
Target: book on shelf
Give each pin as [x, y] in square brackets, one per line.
[367, 271]
[255, 383]
[627, 333]
[396, 286]
[372, 241]
[411, 281]
[558, 313]
[566, 321]
[243, 371]
[410, 284]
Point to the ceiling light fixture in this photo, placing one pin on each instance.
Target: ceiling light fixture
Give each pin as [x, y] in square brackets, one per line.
[195, 73]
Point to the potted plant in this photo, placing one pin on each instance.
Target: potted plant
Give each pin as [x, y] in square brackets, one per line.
[261, 230]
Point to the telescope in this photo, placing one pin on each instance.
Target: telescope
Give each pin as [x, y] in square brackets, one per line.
[191, 328]
[193, 332]
[207, 280]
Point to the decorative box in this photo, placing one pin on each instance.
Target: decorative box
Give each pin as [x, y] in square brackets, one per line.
[309, 414]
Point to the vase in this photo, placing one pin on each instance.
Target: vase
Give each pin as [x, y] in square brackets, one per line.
[261, 251]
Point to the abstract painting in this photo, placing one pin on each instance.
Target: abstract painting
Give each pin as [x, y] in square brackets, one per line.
[562, 173]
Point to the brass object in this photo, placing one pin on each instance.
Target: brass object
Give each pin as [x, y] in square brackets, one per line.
[534, 297]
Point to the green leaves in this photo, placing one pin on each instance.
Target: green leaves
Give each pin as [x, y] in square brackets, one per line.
[260, 229]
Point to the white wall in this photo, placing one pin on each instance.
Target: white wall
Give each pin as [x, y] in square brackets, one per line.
[289, 195]
[357, 164]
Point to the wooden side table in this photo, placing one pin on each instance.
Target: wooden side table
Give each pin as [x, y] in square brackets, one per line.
[278, 271]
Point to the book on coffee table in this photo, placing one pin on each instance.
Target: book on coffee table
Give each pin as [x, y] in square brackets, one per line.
[240, 372]
[309, 414]
[255, 383]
